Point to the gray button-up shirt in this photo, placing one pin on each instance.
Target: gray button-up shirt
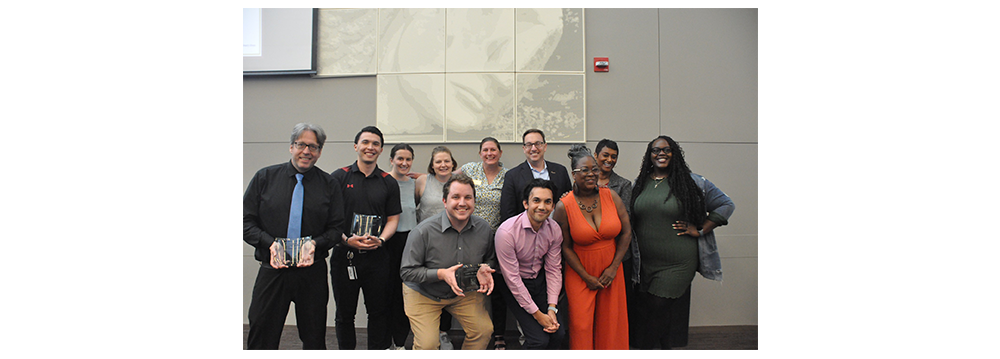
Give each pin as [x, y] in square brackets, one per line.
[434, 244]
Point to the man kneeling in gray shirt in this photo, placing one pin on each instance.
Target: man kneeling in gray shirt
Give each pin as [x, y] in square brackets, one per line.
[437, 248]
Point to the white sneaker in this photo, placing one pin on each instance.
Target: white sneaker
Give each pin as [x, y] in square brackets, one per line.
[446, 342]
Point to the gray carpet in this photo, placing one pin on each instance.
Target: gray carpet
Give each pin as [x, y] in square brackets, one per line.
[741, 337]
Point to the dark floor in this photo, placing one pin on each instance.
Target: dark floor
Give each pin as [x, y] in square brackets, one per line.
[699, 338]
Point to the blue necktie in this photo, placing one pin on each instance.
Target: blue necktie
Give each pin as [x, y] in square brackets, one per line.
[295, 212]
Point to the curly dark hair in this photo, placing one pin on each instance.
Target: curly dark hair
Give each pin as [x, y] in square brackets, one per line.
[679, 178]
[576, 153]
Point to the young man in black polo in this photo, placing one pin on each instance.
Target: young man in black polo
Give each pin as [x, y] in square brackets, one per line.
[359, 262]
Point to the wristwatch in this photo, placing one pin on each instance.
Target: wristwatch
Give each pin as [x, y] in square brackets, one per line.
[383, 241]
[554, 309]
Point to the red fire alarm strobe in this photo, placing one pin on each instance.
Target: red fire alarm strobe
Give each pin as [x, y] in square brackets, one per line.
[601, 64]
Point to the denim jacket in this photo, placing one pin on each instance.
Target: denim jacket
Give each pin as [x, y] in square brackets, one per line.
[709, 262]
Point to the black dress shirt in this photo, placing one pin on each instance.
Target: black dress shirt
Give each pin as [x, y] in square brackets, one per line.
[268, 198]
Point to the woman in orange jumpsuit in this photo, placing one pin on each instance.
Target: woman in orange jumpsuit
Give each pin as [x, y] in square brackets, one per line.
[596, 235]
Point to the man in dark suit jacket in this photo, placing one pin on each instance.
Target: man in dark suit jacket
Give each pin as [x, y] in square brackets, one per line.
[535, 166]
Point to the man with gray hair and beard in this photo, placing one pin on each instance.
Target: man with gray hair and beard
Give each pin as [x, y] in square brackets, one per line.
[293, 200]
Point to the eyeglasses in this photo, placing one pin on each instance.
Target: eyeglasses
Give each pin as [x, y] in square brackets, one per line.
[586, 170]
[301, 146]
[538, 144]
[657, 150]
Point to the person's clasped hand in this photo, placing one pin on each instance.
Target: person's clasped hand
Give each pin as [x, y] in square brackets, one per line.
[607, 276]
[547, 321]
[593, 282]
[364, 243]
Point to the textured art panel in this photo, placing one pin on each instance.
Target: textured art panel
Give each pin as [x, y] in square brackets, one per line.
[346, 42]
[549, 40]
[458, 75]
[410, 107]
[411, 40]
[480, 40]
[553, 103]
[480, 105]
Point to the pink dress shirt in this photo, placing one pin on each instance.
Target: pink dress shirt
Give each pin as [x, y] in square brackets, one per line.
[521, 252]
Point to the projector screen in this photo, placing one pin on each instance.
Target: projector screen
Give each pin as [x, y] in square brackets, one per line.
[277, 41]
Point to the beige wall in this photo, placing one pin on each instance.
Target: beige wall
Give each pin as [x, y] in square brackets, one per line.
[687, 73]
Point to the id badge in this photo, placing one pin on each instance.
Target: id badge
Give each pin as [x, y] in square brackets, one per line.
[351, 273]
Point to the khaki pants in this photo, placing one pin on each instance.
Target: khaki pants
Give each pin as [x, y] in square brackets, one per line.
[425, 317]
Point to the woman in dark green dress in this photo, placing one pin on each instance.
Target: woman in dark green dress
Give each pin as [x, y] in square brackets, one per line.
[673, 213]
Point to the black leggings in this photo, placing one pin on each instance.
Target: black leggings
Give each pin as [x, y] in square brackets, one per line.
[665, 320]
[399, 324]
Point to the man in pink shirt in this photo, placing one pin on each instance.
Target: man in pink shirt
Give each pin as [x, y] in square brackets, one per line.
[528, 247]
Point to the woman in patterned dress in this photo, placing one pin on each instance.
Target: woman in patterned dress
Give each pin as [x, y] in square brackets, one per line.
[487, 175]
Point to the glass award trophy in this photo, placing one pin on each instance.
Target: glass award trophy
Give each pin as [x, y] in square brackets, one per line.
[466, 277]
[366, 225]
[289, 250]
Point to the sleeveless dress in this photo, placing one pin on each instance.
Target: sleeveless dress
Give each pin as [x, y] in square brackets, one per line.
[597, 319]
[430, 201]
[407, 200]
